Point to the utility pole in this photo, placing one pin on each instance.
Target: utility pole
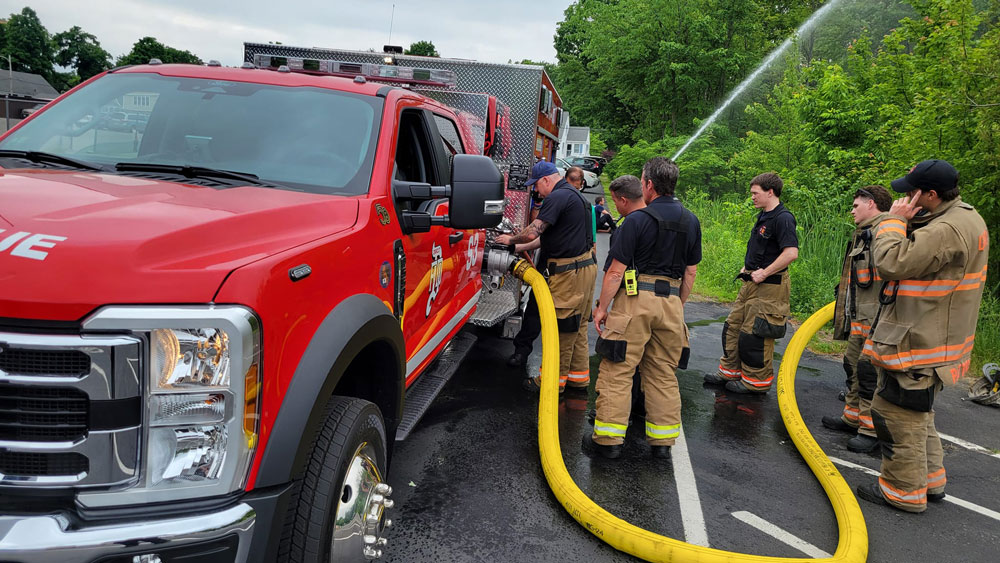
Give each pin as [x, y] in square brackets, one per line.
[391, 18]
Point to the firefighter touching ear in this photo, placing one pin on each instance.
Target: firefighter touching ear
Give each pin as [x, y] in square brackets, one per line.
[931, 252]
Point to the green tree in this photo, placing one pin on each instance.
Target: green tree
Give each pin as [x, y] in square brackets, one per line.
[597, 144]
[149, 48]
[423, 49]
[82, 51]
[29, 45]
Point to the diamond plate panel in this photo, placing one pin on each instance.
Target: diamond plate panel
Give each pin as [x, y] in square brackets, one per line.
[516, 86]
[496, 305]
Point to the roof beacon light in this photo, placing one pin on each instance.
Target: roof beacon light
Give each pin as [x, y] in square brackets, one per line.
[383, 73]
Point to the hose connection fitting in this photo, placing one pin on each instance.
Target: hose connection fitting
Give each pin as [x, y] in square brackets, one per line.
[497, 261]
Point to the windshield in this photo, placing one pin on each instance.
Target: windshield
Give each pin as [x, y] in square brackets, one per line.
[311, 139]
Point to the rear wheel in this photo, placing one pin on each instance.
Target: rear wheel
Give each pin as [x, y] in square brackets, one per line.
[338, 509]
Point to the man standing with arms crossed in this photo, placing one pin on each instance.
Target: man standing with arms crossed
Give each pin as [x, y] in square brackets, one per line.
[857, 303]
[564, 225]
[933, 250]
[762, 305]
[655, 253]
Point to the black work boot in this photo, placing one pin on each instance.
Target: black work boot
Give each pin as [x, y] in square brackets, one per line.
[872, 493]
[517, 360]
[936, 497]
[837, 423]
[716, 379]
[862, 443]
[659, 452]
[737, 387]
[590, 448]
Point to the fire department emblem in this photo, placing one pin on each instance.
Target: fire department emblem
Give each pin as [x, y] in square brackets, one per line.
[434, 284]
[383, 214]
[385, 274]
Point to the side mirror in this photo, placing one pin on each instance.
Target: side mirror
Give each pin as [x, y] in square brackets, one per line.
[477, 196]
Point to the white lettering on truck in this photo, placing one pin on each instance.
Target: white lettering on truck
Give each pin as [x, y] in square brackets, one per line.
[27, 243]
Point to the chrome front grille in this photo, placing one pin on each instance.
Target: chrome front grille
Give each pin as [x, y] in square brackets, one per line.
[70, 410]
[42, 414]
[26, 361]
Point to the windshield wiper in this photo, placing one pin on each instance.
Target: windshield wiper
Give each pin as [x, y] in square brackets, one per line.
[189, 171]
[50, 158]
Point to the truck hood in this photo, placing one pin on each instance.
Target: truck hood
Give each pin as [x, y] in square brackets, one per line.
[73, 241]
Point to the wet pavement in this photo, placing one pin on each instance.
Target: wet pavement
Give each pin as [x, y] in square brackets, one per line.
[469, 487]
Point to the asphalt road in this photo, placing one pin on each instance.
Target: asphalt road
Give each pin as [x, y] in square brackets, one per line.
[469, 486]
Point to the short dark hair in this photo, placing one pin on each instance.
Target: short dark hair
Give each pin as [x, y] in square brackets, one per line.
[598, 200]
[768, 181]
[576, 171]
[663, 173]
[627, 186]
[878, 194]
[948, 195]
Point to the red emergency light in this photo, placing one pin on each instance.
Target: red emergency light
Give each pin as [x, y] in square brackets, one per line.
[382, 73]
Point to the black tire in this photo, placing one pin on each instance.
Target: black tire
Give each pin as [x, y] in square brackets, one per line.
[348, 423]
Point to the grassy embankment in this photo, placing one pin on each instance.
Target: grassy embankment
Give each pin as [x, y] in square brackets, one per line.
[725, 228]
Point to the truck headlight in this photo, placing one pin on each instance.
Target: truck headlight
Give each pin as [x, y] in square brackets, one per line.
[201, 386]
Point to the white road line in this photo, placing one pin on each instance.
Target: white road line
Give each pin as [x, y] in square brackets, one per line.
[695, 531]
[952, 499]
[968, 445]
[780, 535]
[974, 507]
[861, 468]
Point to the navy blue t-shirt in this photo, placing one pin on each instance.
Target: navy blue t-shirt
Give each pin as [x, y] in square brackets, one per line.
[773, 232]
[635, 243]
[568, 216]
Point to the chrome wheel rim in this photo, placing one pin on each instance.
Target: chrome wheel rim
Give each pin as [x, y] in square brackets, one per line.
[360, 515]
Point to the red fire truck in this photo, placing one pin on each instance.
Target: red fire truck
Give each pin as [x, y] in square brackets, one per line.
[214, 327]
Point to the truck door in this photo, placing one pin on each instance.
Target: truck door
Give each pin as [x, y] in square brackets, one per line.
[466, 245]
[435, 260]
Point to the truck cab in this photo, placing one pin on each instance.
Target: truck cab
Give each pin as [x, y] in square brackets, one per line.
[208, 323]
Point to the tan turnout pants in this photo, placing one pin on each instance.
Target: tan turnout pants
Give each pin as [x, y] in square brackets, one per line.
[573, 295]
[645, 331]
[912, 457]
[749, 331]
[861, 382]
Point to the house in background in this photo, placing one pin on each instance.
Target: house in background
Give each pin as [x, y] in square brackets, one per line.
[21, 92]
[576, 143]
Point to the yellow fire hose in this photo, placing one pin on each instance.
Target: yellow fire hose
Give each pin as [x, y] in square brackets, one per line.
[853, 545]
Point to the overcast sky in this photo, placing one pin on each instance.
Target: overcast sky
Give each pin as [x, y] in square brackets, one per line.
[216, 29]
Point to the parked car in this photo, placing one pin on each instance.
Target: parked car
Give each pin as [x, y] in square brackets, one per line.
[589, 163]
[590, 180]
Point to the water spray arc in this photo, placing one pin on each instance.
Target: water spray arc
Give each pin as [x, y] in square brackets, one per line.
[809, 24]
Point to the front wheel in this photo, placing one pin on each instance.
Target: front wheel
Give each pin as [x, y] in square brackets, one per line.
[338, 509]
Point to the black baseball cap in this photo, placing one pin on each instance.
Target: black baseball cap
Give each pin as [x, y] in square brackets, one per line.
[937, 175]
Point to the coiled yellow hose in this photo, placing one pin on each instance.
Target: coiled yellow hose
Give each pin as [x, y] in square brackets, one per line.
[853, 545]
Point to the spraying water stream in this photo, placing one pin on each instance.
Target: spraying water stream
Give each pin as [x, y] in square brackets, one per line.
[809, 24]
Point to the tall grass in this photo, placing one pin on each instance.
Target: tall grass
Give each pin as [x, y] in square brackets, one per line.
[726, 225]
[987, 347]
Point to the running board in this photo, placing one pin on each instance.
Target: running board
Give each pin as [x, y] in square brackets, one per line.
[423, 392]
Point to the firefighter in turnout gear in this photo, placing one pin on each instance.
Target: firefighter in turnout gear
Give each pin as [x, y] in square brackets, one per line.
[566, 219]
[654, 260]
[762, 304]
[857, 303]
[932, 252]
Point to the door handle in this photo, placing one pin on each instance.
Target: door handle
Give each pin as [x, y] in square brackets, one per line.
[453, 238]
